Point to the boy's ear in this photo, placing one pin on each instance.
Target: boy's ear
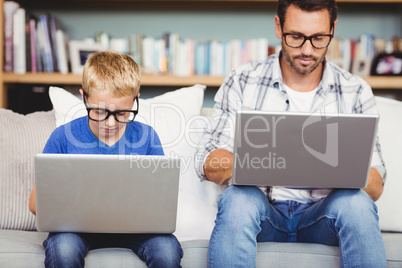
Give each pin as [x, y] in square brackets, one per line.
[138, 95]
[82, 93]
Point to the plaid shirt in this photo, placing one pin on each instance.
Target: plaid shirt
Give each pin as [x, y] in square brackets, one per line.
[259, 86]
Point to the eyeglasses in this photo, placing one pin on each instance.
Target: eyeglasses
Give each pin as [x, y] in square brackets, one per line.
[121, 116]
[298, 40]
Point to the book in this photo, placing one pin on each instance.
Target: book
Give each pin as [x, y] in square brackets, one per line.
[162, 59]
[9, 8]
[216, 58]
[133, 48]
[199, 67]
[148, 46]
[62, 55]
[28, 56]
[45, 44]
[52, 24]
[32, 40]
[119, 45]
[173, 51]
[19, 42]
[39, 56]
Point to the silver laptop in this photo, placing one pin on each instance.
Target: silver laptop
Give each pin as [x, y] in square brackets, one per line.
[303, 150]
[106, 193]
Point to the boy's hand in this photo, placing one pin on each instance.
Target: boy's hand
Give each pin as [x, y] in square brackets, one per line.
[32, 201]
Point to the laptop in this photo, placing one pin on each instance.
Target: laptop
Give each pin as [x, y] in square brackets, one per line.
[302, 150]
[106, 193]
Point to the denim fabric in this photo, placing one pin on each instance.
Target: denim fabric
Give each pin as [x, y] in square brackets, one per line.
[70, 249]
[345, 218]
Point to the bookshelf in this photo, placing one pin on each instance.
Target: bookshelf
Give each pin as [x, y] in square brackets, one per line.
[377, 82]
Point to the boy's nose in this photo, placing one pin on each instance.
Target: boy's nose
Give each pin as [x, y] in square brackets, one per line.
[111, 121]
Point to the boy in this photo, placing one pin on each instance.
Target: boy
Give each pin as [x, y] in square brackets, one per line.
[110, 87]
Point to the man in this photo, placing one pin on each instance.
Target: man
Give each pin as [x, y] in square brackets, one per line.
[297, 79]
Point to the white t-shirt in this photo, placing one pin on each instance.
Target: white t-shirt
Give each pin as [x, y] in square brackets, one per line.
[299, 102]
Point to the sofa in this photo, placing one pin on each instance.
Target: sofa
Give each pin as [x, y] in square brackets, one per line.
[179, 118]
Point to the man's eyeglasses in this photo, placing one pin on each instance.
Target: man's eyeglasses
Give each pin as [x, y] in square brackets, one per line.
[298, 40]
[121, 116]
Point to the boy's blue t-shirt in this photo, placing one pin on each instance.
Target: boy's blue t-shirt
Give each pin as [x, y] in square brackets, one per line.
[76, 137]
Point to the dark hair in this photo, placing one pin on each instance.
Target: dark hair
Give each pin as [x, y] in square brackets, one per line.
[310, 6]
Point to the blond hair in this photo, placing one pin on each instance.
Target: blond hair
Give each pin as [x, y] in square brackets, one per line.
[111, 72]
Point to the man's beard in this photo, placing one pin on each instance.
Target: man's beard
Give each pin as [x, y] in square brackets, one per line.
[302, 70]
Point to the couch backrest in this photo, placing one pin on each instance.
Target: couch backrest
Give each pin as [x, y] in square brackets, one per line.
[390, 134]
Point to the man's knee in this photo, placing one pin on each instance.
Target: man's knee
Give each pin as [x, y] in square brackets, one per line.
[351, 199]
[238, 202]
[355, 205]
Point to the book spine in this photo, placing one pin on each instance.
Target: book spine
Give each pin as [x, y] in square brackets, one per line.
[41, 45]
[10, 7]
[53, 42]
[47, 50]
[19, 42]
[148, 54]
[39, 56]
[61, 51]
[32, 27]
[28, 57]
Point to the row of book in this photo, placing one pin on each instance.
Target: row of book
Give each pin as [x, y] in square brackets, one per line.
[358, 55]
[33, 44]
[171, 54]
[40, 45]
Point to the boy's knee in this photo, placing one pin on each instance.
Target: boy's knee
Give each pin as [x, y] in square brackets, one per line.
[65, 250]
[166, 251]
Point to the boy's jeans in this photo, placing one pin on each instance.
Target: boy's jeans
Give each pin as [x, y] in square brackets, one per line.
[345, 218]
[70, 249]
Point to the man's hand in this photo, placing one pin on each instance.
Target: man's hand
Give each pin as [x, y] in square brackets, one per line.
[218, 166]
[374, 186]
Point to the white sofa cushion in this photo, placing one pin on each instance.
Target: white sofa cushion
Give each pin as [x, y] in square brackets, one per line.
[390, 133]
[21, 138]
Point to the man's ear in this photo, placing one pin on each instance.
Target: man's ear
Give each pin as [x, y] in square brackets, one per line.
[333, 29]
[278, 29]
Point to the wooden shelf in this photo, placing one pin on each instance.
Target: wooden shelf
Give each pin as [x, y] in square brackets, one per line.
[384, 82]
[146, 79]
[183, 4]
[377, 82]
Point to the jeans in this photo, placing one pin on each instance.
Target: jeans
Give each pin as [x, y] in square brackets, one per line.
[70, 249]
[345, 218]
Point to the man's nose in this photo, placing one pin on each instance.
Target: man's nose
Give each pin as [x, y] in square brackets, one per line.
[307, 48]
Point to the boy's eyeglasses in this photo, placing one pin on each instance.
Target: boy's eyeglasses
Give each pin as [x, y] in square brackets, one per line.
[121, 116]
[298, 40]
